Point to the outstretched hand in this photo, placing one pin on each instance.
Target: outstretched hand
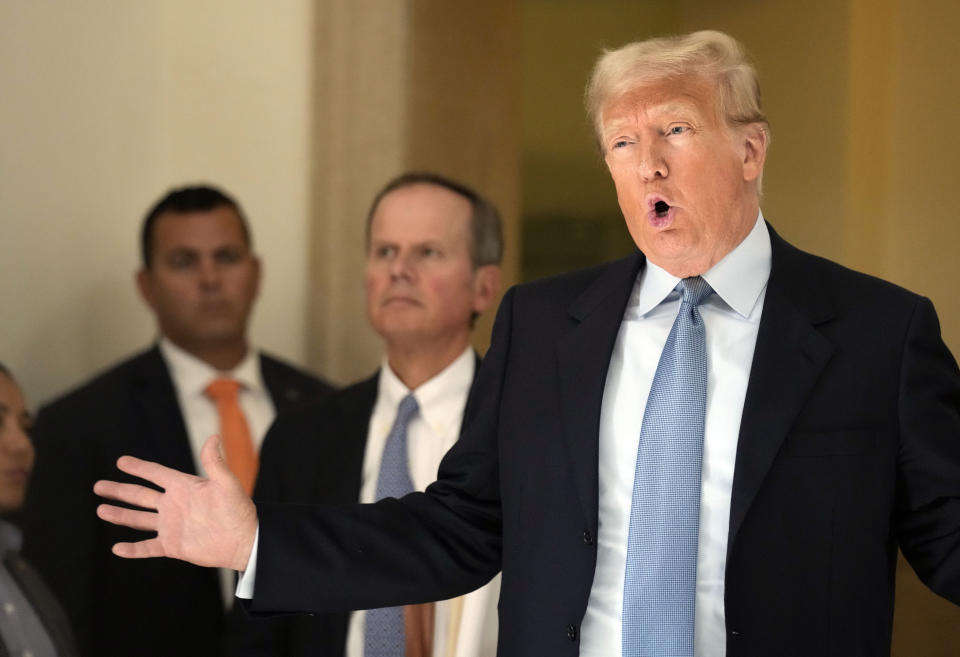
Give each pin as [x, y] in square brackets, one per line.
[208, 522]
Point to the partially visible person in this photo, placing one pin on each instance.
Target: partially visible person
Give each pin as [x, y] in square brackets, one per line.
[200, 278]
[32, 623]
[433, 264]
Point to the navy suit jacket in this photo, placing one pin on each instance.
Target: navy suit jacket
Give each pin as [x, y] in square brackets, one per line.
[849, 446]
[119, 606]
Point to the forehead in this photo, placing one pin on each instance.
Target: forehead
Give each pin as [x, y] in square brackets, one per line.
[419, 212]
[692, 96]
[221, 225]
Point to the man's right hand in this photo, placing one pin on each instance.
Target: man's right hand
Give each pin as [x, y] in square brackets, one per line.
[208, 522]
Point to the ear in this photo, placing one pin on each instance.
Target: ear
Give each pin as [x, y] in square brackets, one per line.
[486, 287]
[145, 286]
[755, 141]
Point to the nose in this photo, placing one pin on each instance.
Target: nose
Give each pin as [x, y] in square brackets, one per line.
[401, 266]
[652, 165]
[209, 273]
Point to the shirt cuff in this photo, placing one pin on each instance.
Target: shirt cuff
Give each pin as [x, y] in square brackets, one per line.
[246, 580]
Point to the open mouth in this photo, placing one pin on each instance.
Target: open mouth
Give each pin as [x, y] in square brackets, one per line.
[661, 209]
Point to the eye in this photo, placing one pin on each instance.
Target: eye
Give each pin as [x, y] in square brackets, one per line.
[620, 143]
[429, 251]
[384, 251]
[677, 129]
[182, 259]
[228, 256]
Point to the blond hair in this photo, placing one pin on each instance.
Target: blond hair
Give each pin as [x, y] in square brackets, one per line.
[706, 53]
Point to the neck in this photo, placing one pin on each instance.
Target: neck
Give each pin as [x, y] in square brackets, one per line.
[415, 364]
[222, 357]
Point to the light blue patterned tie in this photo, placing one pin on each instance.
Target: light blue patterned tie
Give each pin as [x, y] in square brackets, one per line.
[384, 633]
[659, 587]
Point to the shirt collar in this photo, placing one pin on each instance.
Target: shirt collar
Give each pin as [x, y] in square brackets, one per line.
[738, 278]
[436, 397]
[192, 375]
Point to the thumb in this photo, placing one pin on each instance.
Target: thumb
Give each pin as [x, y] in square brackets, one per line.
[211, 457]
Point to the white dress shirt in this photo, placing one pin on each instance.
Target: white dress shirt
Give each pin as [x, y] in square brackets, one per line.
[732, 319]
[190, 377]
[430, 434]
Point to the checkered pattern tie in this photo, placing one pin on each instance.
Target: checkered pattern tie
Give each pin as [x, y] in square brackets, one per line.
[659, 588]
[384, 635]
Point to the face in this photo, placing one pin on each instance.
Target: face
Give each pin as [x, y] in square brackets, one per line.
[421, 285]
[686, 182]
[16, 450]
[202, 280]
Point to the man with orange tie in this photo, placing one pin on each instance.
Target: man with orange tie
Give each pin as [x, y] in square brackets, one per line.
[200, 278]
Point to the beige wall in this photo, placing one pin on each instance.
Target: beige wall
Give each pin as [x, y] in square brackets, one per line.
[108, 103]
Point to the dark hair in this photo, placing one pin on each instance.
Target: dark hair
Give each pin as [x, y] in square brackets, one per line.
[185, 200]
[486, 244]
[4, 370]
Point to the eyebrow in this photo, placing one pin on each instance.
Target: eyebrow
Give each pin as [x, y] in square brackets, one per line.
[684, 110]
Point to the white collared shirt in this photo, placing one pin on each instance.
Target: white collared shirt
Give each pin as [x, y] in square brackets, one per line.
[431, 432]
[190, 377]
[732, 318]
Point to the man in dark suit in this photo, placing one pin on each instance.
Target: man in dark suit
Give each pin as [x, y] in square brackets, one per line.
[818, 409]
[331, 451]
[200, 278]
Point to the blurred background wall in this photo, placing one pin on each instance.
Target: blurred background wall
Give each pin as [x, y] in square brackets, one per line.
[105, 105]
[303, 108]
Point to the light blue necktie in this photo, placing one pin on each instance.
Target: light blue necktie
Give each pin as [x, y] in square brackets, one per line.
[659, 587]
[384, 634]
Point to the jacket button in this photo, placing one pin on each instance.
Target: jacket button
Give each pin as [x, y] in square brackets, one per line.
[587, 537]
[572, 632]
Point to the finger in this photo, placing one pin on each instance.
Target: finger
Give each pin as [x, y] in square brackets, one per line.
[143, 520]
[211, 456]
[139, 550]
[161, 475]
[134, 494]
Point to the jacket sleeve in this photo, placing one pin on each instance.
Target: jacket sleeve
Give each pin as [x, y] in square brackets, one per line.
[928, 486]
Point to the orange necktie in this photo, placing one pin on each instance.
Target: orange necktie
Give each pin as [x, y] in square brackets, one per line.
[234, 432]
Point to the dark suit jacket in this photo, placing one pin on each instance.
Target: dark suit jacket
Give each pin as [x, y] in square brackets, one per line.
[118, 606]
[311, 455]
[849, 445]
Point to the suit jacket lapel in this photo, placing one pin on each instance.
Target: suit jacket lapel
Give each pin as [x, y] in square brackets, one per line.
[790, 355]
[164, 432]
[583, 354]
[284, 391]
